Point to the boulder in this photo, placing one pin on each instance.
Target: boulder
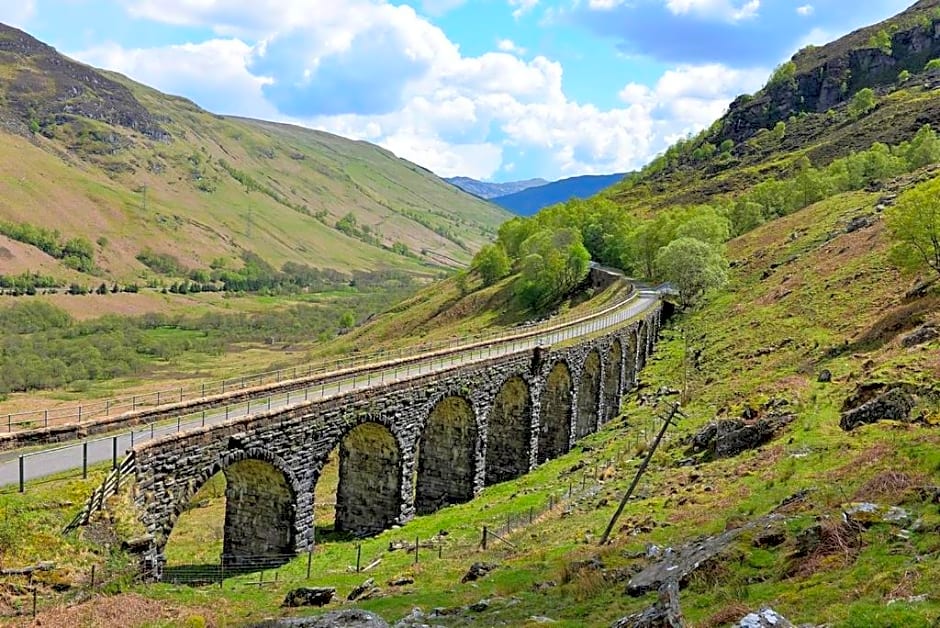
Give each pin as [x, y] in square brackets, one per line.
[867, 514]
[351, 618]
[921, 335]
[764, 618]
[477, 571]
[359, 591]
[730, 437]
[894, 405]
[309, 596]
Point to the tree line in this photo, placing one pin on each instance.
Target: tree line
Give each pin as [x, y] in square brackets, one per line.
[685, 245]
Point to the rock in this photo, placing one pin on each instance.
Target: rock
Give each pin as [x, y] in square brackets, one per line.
[867, 514]
[825, 376]
[479, 607]
[477, 571]
[592, 564]
[919, 336]
[771, 537]
[809, 540]
[350, 618]
[309, 596]
[894, 405]
[859, 222]
[400, 582]
[764, 618]
[665, 613]
[358, 592]
[541, 619]
[677, 564]
[730, 437]
[544, 586]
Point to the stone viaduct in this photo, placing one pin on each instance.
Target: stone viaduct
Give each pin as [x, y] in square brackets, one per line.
[406, 448]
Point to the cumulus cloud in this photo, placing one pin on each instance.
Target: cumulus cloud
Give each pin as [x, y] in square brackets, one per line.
[689, 98]
[213, 73]
[379, 72]
[719, 9]
[805, 10]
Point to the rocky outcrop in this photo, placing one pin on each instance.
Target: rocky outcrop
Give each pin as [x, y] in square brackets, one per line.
[50, 89]
[894, 405]
[729, 437]
[352, 618]
[829, 76]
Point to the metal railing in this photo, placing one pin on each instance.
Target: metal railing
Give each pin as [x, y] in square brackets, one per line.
[88, 412]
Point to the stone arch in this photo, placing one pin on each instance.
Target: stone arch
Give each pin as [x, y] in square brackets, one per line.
[612, 381]
[447, 455]
[555, 413]
[589, 391]
[509, 429]
[368, 496]
[261, 523]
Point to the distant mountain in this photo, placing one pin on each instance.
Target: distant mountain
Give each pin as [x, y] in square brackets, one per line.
[530, 200]
[492, 190]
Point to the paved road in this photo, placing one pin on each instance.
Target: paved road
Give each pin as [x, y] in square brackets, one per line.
[46, 462]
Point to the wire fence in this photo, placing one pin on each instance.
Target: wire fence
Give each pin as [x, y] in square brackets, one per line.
[97, 410]
[579, 486]
[70, 460]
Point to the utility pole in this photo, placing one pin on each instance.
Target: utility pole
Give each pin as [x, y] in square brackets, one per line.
[639, 472]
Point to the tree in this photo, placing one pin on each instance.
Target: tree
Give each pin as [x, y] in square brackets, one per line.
[693, 267]
[914, 224]
[882, 41]
[707, 225]
[554, 263]
[862, 102]
[491, 263]
[347, 320]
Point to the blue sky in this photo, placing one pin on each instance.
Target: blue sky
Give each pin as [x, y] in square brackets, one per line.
[493, 89]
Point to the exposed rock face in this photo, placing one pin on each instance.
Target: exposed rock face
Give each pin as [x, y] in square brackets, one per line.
[894, 405]
[51, 89]
[352, 618]
[831, 75]
[730, 437]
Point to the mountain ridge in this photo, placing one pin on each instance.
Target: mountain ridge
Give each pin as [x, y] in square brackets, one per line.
[136, 170]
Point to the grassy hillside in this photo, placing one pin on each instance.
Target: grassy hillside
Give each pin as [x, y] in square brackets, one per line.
[128, 169]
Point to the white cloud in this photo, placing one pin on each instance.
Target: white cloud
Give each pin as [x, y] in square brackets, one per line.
[508, 45]
[691, 97]
[455, 114]
[17, 13]
[213, 73]
[521, 7]
[805, 10]
[718, 9]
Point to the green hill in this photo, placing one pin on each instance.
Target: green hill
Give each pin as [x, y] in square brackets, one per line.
[95, 156]
[817, 327]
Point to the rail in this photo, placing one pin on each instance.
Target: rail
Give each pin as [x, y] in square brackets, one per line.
[259, 382]
[65, 459]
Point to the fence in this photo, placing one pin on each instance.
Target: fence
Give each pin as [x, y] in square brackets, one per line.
[112, 407]
[72, 457]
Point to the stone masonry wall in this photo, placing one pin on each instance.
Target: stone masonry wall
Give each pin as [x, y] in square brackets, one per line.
[378, 473]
